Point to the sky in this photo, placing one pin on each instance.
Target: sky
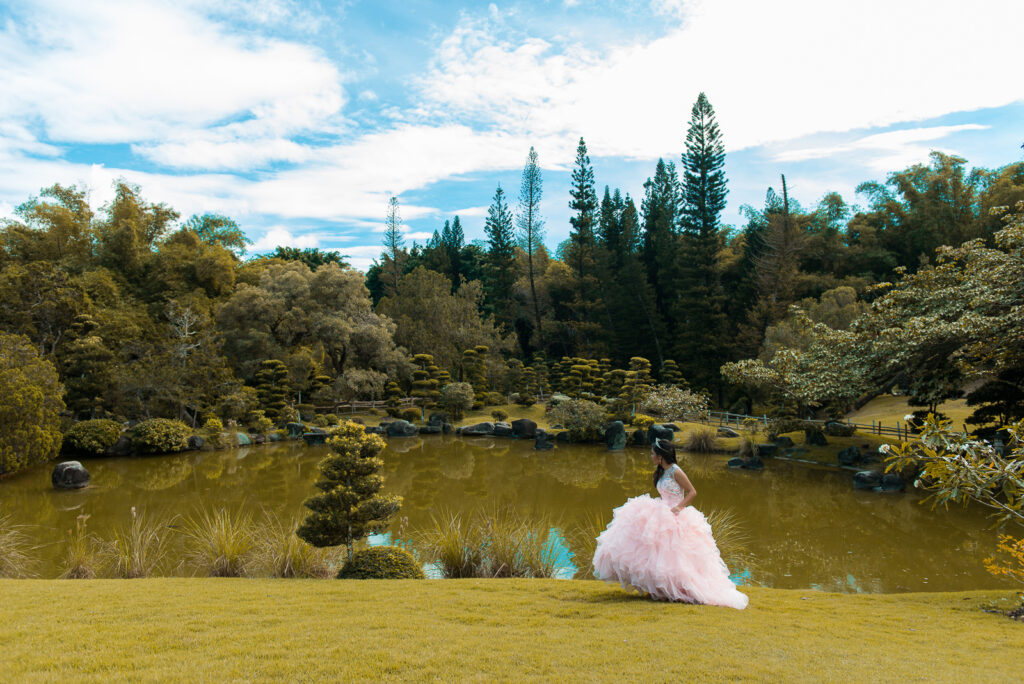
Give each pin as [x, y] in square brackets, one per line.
[299, 119]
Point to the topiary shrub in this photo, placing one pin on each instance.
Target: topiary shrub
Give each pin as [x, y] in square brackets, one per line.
[321, 421]
[457, 398]
[92, 436]
[494, 398]
[410, 414]
[499, 415]
[160, 436]
[213, 432]
[332, 418]
[382, 562]
[288, 414]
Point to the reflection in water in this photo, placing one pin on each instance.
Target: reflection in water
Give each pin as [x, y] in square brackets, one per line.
[805, 527]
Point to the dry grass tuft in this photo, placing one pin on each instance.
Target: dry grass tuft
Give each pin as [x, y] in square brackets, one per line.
[702, 440]
[218, 541]
[278, 552]
[15, 548]
[81, 552]
[138, 548]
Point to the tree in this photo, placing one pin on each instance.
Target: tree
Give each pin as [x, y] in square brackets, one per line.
[30, 412]
[660, 209]
[531, 226]
[311, 256]
[500, 273]
[579, 254]
[394, 243]
[349, 506]
[453, 240]
[272, 387]
[57, 227]
[457, 398]
[702, 343]
[214, 229]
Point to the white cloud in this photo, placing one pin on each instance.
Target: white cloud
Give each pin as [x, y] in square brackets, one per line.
[864, 64]
[280, 236]
[420, 235]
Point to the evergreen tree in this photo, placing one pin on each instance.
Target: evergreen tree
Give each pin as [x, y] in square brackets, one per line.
[660, 235]
[702, 343]
[637, 382]
[453, 239]
[501, 265]
[349, 506]
[424, 383]
[272, 387]
[580, 254]
[394, 245]
[531, 229]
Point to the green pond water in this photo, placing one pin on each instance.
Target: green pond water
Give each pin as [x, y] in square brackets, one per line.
[806, 527]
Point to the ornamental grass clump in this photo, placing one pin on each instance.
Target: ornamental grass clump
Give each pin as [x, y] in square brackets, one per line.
[218, 542]
[350, 505]
[278, 552]
[582, 539]
[81, 552]
[15, 546]
[455, 545]
[137, 548]
[702, 440]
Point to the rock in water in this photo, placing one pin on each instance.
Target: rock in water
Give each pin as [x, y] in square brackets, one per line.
[849, 456]
[69, 475]
[542, 441]
[615, 435]
[524, 428]
[478, 430]
[659, 432]
[503, 430]
[401, 428]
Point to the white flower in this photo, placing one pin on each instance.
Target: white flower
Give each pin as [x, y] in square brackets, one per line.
[884, 449]
[909, 417]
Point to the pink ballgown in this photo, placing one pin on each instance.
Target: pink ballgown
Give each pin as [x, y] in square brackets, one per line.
[671, 556]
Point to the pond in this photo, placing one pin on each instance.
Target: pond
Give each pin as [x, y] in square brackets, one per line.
[806, 527]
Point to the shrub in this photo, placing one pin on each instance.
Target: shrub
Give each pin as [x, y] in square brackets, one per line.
[278, 552]
[288, 414]
[138, 549]
[321, 421]
[92, 436]
[410, 414]
[160, 436]
[31, 406]
[306, 411]
[258, 422]
[643, 421]
[837, 429]
[213, 432]
[669, 402]
[382, 562]
[701, 440]
[583, 419]
[494, 398]
[499, 415]
[332, 418]
[457, 398]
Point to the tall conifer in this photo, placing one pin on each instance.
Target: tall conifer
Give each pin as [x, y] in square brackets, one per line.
[501, 261]
[531, 228]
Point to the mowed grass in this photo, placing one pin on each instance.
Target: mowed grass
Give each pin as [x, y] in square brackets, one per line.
[888, 409]
[487, 630]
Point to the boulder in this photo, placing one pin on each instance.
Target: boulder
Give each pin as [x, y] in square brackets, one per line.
[122, 447]
[195, 442]
[503, 430]
[478, 430]
[783, 442]
[867, 479]
[640, 438]
[447, 428]
[849, 456]
[431, 429]
[295, 430]
[892, 482]
[374, 430]
[69, 475]
[401, 428]
[767, 449]
[542, 441]
[750, 463]
[563, 437]
[815, 438]
[659, 432]
[615, 435]
[727, 432]
[315, 438]
[259, 439]
[243, 439]
[671, 426]
[273, 437]
[524, 428]
[438, 418]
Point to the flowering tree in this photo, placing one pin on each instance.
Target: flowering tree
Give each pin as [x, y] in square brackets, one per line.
[671, 402]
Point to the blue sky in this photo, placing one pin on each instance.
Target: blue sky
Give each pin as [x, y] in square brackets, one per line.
[298, 119]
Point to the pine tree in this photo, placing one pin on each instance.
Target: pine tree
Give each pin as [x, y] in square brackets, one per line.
[272, 387]
[581, 256]
[394, 245]
[349, 506]
[660, 239]
[453, 240]
[501, 265]
[531, 229]
[702, 343]
[637, 382]
[423, 384]
[670, 374]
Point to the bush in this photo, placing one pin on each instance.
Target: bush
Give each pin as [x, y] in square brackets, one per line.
[494, 398]
[332, 418]
[288, 414]
[499, 415]
[411, 414]
[702, 440]
[321, 421]
[643, 422]
[838, 429]
[669, 402]
[306, 411]
[382, 562]
[213, 432]
[457, 398]
[160, 436]
[258, 423]
[583, 419]
[92, 436]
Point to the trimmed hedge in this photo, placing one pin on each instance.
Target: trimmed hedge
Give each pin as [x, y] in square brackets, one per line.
[92, 436]
[382, 562]
[160, 436]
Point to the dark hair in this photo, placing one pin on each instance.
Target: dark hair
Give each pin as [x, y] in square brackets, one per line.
[667, 451]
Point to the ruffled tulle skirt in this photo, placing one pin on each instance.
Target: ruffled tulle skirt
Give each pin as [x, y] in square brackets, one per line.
[672, 557]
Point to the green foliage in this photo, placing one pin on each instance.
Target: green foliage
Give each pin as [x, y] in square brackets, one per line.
[583, 419]
[349, 506]
[669, 403]
[411, 414]
[15, 546]
[643, 421]
[273, 387]
[258, 423]
[218, 542]
[92, 437]
[382, 562]
[457, 398]
[160, 436]
[278, 552]
[701, 440]
[31, 406]
[499, 415]
[137, 548]
[81, 552]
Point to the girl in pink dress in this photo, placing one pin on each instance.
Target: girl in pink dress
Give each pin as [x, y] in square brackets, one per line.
[664, 546]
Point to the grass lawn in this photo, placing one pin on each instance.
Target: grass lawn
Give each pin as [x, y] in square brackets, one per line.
[888, 409]
[484, 630]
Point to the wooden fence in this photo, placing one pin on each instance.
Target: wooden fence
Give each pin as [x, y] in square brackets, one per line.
[901, 430]
[357, 406]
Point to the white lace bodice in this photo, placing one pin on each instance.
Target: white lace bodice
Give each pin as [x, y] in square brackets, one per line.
[668, 488]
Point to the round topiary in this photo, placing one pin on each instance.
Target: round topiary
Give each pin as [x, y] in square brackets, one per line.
[160, 436]
[382, 562]
[92, 436]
